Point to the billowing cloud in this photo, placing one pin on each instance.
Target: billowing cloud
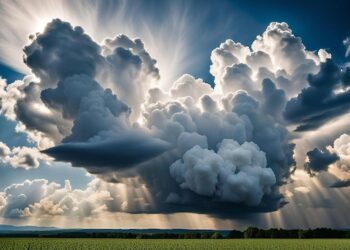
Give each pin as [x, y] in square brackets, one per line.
[341, 168]
[129, 70]
[111, 116]
[60, 45]
[274, 99]
[341, 147]
[185, 147]
[75, 62]
[326, 97]
[277, 54]
[39, 197]
[187, 85]
[235, 173]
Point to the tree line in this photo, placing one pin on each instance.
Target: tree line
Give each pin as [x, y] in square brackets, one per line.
[253, 232]
[249, 233]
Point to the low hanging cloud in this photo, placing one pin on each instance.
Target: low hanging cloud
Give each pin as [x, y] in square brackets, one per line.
[39, 197]
[187, 147]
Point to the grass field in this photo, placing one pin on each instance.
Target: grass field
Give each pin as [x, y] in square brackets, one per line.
[107, 244]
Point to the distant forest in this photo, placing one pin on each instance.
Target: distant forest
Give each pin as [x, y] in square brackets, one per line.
[249, 233]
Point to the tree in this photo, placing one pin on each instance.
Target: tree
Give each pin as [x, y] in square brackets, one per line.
[250, 232]
[216, 235]
[235, 234]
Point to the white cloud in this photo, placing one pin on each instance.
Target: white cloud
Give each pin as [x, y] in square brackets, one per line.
[187, 85]
[39, 197]
[276, 54]
[235, 173]
[21, 157]
[341, 147]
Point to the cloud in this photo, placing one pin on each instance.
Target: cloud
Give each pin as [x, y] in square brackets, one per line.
[235, 173]
[274, 100]
[341, 147]
[189, 146]
[4, 150]
[61, 51]
[325, 98]
[68, 94]
[187, 85]
[21, 157]
[21, 102]
[84, 101]
[319, 161]
[129, 70]
[65, 60]
[124, 151]
[277, 54]
[19, 196]
[335, 159]
[39, 197]
[269, 135]
[110, 114]
[341, 168]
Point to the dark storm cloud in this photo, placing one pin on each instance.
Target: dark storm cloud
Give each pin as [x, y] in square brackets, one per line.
[319, 102]
[69, 93]
[196, 148]
[85, 102]
[274, 99]
[78, 110]
[319, 161]
[124, 151]
[78, 84]
[270, 136]
[61, 51]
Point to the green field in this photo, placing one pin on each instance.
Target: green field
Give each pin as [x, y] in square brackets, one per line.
[106, 244]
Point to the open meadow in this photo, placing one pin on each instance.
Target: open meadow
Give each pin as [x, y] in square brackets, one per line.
[202, 244]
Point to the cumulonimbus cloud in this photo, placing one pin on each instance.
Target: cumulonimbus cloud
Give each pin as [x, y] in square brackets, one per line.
[103, 107]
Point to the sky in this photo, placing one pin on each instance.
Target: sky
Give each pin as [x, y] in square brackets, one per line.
[175, 114]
